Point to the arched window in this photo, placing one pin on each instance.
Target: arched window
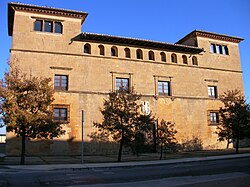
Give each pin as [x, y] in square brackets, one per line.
[87, 49]
[194, 61]
[139, 54]
[163, 57]
[114, 51]
[101, 50]
[151, 55]
[127, 53]
[173, 58]
[58, 27]
[184, 59]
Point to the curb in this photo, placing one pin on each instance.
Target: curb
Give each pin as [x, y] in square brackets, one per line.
[124, 164]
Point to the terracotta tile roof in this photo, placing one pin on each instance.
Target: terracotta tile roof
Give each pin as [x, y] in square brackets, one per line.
[138, 42]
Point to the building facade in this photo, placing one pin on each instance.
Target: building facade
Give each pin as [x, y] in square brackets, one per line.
[179, 82]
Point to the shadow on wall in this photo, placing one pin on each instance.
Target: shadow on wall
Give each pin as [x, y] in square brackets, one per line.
[99, 145]
[193, 144]
[243, 143]
[58, 147]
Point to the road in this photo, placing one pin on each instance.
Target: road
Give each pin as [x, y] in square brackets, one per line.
[230, 172]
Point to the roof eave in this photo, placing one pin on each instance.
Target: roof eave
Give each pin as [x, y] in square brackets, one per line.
[211, 35]
[138, 42]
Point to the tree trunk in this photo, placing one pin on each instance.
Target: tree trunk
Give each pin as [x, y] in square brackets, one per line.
[237, 145]
[23, 150]
[120, 149]
[228, 142]
[161, 151]
[154, 139]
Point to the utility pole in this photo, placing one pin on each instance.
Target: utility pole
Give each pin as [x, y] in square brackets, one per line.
[82, 136]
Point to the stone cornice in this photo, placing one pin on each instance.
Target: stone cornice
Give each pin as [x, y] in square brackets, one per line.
[48, 10]
[210, 35]
[218, 36]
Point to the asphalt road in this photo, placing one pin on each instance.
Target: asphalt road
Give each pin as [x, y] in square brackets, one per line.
[230, 172]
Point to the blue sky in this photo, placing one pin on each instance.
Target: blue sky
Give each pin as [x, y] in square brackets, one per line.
[160, 20]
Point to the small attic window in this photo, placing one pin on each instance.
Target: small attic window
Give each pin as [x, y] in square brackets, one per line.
[114, 51]
[163, 57]
[173, 58]
[87, 48]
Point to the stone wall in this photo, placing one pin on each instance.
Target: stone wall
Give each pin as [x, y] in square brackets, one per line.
[92, 76]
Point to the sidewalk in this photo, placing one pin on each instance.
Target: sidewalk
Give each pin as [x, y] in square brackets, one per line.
[123, 164]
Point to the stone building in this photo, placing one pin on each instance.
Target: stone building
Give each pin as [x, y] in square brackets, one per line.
[179, 82]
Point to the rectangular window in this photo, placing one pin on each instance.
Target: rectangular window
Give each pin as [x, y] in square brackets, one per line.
[61, 82]
[225, 50]
[58, 27]
[38, 25]
[212, 91]
[60, 114]
[164, 87]
[219, 49]
[212, 48]
[122, 84]
[48, 26]
[214, 118]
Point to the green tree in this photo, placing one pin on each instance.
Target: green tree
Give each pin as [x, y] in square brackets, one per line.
[25, 107]
[235, 116]
[166, 136]
[120, 113]
[145, 133]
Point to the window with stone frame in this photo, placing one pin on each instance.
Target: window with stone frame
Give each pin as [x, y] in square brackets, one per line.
[212, 91]
[61, 113]
[61, 82]
[214, 117]
[122, 84]
[164, 88]
[48, 26]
